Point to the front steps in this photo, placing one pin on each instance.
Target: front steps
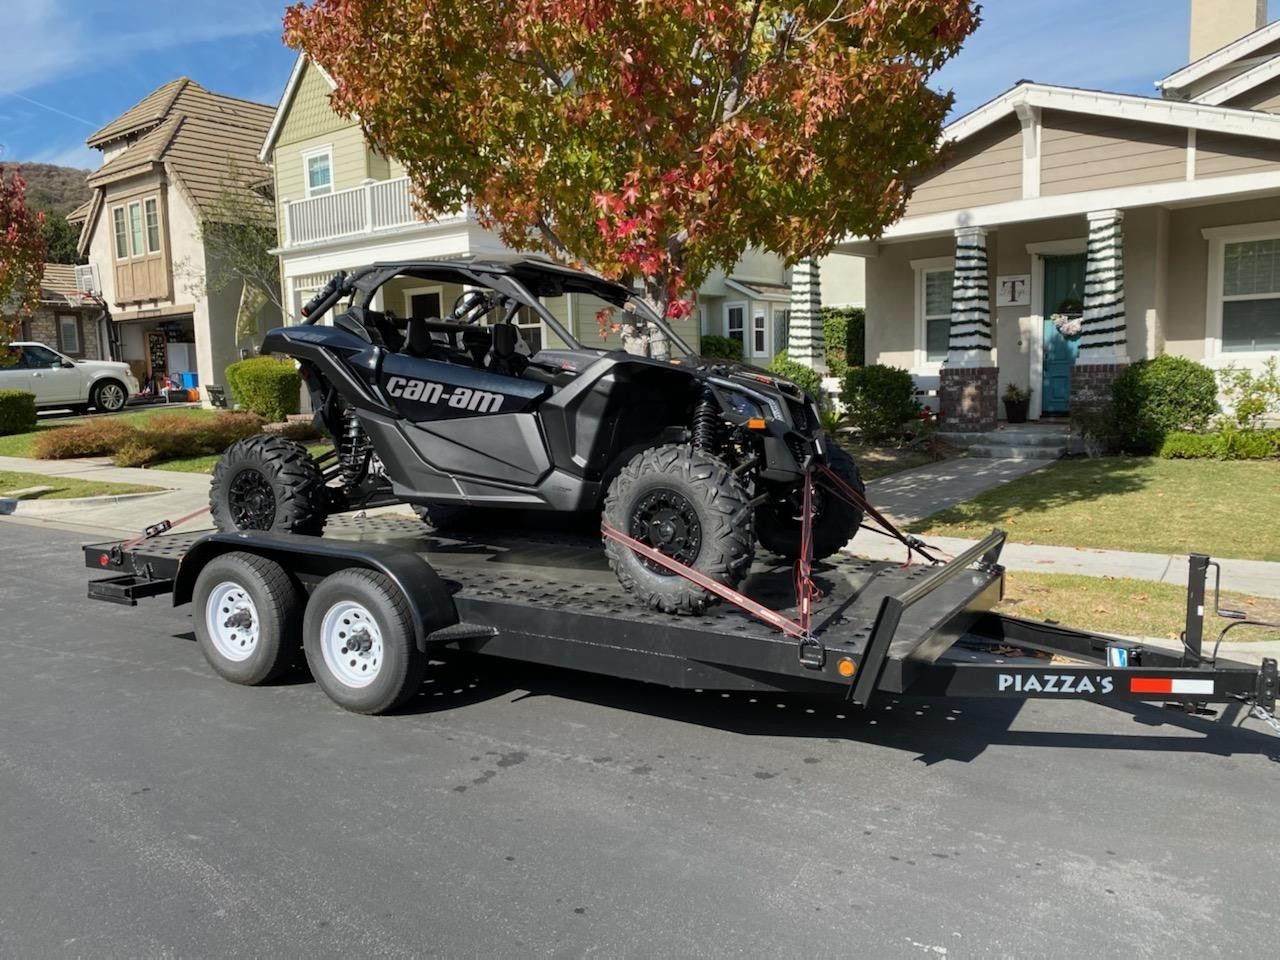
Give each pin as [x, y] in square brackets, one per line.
[1021, 441]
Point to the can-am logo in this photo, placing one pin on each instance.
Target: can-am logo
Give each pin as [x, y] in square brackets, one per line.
[1075, 683]
[426, 391]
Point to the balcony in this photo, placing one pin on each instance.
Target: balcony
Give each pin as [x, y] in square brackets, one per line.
[373, 207]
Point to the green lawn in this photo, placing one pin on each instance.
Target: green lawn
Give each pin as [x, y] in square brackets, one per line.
[1226, 509]
[205, 464]
[64, 487]
[20, 444]
[1136, 608]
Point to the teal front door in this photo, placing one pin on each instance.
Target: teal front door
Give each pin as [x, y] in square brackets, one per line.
[1063, 293]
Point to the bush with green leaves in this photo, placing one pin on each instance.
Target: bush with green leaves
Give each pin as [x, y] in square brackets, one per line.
[1250, 398]
[720, 348]
[1225, 444]
[1153, 398]
[843, 338]
[17, 411]
[803, 377]
[879, 401]
[266, 386]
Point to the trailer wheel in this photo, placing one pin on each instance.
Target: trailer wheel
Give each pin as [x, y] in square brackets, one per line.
[834, 523]
[266, 482]
[246, 610]
[688, 505]
[359, 640]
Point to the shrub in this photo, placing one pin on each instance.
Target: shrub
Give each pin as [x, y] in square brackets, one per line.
[17, 411]
[1152, 398]
[1251, 398]
[843, 336]
[1226, 444]
[171, 436]
[266, 386]
[802, 376]
[720, 348]
[880, 400]
[96, 438]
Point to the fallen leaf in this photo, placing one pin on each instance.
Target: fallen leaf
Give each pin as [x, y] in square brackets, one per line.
[1140, 596]
[1250, 601]
[1100, 609]
[1106, 576]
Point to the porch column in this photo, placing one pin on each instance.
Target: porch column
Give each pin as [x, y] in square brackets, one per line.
[967, 380]
[1103, 349]
[805, 343]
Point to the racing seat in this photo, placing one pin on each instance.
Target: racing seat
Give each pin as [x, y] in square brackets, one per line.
[504, 357]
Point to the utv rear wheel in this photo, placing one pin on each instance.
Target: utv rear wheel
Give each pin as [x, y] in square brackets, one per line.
[835, 521]
[268, 483]
[689, 506]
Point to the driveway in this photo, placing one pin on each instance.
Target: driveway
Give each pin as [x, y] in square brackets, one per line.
[148, 808]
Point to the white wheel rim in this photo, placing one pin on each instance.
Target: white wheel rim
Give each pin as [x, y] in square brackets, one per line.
[111, 397]
[232, 621]
[352, 644]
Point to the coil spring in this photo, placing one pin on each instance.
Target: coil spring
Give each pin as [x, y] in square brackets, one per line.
[353, 452]
[706, 423]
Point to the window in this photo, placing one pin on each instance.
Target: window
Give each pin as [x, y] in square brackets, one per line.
[759, 329]
[1251, 296]
[936, 300]
[735, 321]
[423, 305]
[39, 358]
[69, 334]
[318, 167]
[122, 236]
[781, 328]
[135, 228]
[153, 225]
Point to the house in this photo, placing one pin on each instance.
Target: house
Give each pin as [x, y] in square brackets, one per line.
[341, 205]
[167, 161]
[1069, 231]
[67, 319]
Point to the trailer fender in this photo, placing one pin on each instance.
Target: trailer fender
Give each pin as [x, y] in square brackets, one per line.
[429, 598]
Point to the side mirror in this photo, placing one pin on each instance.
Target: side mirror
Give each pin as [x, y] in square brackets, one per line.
[66, 365]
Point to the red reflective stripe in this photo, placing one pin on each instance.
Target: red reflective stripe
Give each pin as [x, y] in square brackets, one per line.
[1151, 685]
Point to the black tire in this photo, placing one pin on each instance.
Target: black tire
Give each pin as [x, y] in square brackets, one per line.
[258, 590]
[834, 523]
[268, 483]
[679, 479]
[438, 517]
[108, 396]
[397, 663]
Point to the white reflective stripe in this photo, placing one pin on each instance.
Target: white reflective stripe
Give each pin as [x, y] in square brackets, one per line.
[1192, 686]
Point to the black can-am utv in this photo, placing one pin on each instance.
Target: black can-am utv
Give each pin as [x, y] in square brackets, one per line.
[696, 458]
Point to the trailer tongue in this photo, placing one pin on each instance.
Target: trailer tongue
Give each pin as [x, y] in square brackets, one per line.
[870, 627]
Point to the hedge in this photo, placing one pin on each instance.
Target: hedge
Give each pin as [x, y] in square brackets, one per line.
[266, 386]
[843, 335]
[1222, 445]
[17, 411]
[1153, 398]
[802, 376]
[720, 348]
[164, 437]
[879, 400]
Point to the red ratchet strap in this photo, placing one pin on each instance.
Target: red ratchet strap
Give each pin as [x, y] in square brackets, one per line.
[812, 653]
[837, 484]
[164, 526]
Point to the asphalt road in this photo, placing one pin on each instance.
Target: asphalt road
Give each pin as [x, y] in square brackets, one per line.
[150, 809]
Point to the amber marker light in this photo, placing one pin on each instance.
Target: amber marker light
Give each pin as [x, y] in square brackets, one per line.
[845, 667]
[755, 423]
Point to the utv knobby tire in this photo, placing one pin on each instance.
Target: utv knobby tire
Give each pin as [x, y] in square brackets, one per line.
[288, 488]
[271, 638]
[723, 508]
[778, 526]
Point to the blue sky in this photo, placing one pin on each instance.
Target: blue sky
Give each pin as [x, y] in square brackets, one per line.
[69, 66]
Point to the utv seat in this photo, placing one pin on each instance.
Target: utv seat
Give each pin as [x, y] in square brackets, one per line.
[503, 357]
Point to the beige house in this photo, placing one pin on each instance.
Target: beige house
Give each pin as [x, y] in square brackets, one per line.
[341, 205]
[1071, 231]
[166, 161]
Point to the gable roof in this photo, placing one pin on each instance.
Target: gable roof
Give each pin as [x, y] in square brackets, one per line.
[144, 114]
[58, 281]
[1122, 106]
[80, 213]
[1220, 58]
[1241, 82]
[286, 99]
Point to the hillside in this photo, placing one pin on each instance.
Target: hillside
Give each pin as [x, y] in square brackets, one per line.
[53, 188]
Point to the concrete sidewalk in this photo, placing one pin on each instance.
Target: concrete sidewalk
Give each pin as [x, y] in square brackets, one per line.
[912, 495]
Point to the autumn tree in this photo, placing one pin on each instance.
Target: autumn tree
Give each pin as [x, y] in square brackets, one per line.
[21, 258]
[650, 140]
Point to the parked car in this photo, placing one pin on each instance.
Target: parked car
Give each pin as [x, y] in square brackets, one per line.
[58, 381]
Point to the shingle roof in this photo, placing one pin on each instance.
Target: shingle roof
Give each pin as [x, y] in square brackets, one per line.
[199, 137]
[144, 114]
[58, 283]
[80, 213]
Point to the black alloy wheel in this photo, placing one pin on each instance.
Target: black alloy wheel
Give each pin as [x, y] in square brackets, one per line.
[668, 522]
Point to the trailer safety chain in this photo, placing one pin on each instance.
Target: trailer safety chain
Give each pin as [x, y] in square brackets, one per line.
[1266, 717]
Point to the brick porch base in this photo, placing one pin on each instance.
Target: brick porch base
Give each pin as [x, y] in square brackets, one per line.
[1091, 386]
[967, 398]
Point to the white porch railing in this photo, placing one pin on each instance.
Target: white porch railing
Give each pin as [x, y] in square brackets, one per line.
[373, 206]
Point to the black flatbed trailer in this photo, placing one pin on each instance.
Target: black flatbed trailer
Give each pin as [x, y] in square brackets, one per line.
[548, 597]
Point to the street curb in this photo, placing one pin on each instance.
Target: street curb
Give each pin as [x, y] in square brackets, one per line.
[51, 508]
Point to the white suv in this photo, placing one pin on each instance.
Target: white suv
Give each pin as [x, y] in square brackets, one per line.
[59, 381]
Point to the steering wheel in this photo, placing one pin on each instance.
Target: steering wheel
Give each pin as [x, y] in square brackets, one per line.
[471, 307]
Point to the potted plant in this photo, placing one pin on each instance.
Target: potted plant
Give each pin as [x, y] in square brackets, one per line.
[1017, 401]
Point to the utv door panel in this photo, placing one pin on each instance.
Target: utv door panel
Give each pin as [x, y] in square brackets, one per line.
[433, 390]
[506, 446]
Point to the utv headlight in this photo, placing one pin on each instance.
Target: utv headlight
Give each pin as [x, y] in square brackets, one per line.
[743, 407]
